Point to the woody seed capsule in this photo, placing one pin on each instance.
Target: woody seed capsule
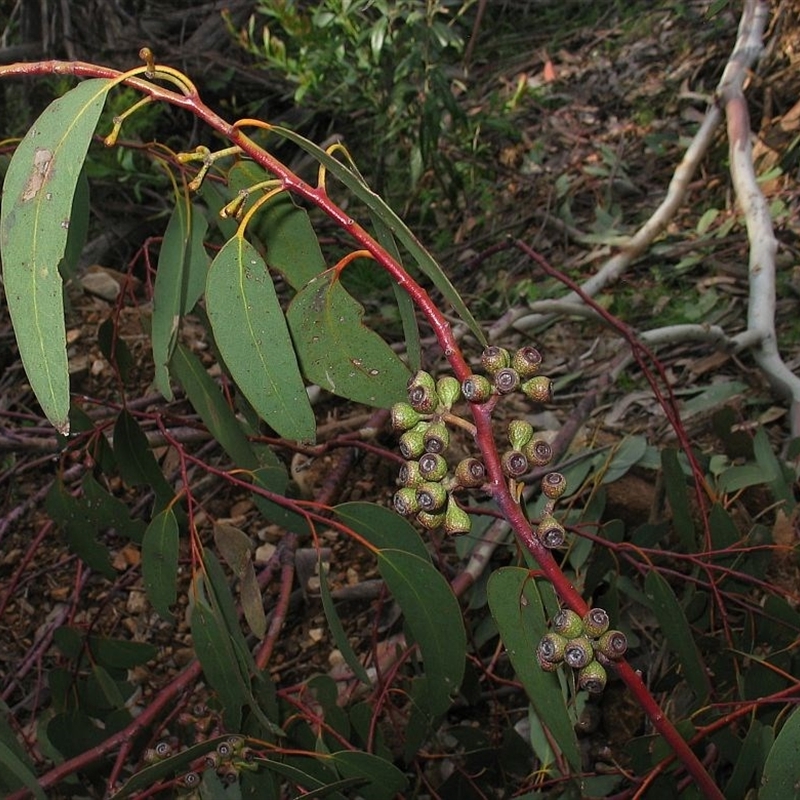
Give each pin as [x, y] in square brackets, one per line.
[432, 466]
[431, 496]
[431, 521]
[506, 381]
[539, 389]
[526, 361]
[554, 484]
[568, 623]
[404, 417]
[476, 389]
[552, 647]
[592, 678]
[596, 622]
[436, 438]
[578, 652]
[612, 644]
[470, 473]
[551, 532]
[514, 464]
[494, 359]
[538, 452]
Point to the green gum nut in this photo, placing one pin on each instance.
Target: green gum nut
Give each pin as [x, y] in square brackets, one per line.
[592, 678]
[578, 652]
[552, 647]
[431, 521]
[494, 359]
[405, 501]
[554, 484]
[409, 475]
[449, 390]
[431, 497]
[470, 473]
[514, 464]
[538, 452]
[596, 622]
[477, 389]
[568, 623]
[432, 466]
[612, 644]
[526, 361]
[551, 532]
[506, 381]
[456, 520]
[422, 393]
[436, 438]
[538, 389]
[412, 443]
[520, 433]
[404, 417]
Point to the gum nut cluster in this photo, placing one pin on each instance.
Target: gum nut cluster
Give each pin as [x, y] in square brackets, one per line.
[586, 644]
[426, 482]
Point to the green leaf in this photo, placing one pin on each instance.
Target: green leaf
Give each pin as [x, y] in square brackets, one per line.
[35, 218]
[177, 286]
[774, 477]
[750, 759]
[13, 765]
[337, 352]
[208, 401]
[780, 778]
[121, 653]
[137, 464]
[160, 547]
[678, 496]
[383, 780]
[433, 616]
[424, 260]
[629, 453]
[675, 628]
[518, 610]
[114, 348]
[337, 630]
[382, 527]
[251, 333]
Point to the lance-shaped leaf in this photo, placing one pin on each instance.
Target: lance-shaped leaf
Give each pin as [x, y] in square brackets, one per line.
[251, 333]
[182, 267]
[34, 226]
[337, 352]
[160, 550]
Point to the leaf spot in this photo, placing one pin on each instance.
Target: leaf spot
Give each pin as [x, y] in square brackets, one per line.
[42, 172]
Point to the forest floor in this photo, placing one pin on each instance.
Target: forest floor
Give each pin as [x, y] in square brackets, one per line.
[597, 120]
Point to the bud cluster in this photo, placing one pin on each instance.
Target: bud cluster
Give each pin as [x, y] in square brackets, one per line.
[586, 644]
[426, 484]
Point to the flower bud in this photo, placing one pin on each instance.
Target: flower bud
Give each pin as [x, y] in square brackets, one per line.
[578, 652]
[163, 749]
[422, 393]
[506, 381]
[431, 497]
[520, 433]
[431, 521]
[514, 464]
[225, 749]
[612, 644]
[456, 520]
[476, 389]
[404, 417]
[405, 501]
[494, 359]
[551, 532]
[538, 452]
[432, 466]
[596, 622]
[592, 678]
[190, 780]
[412, 443]
[568, 623]
[539, 389]
[436, 438]
[526, 361]
[552, 647]
[410, 475]
[449, 390]
[470, 473]
[547, 666]
[554, 484]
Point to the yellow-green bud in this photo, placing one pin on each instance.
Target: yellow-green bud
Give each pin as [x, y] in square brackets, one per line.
[538, 452]
[410, 475]
[554, 484]
[431, 496]
[494, 359]
[470, 473]
[404, 417]
[476, 389]
[592, 678]
[506, 381]
[422, 393]
[539, 389]
[596, 622]
[449, 390]
[456, 520]
[405, 501]
[412, 443]
[431, 521]
[432, 466]
[551, 532]
[520, 432]
[578, 652]
[436, 438]
[526, 361]
[568, 623]
[552, 647]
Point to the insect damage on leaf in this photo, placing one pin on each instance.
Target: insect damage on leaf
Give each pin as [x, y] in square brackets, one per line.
[42, 171]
